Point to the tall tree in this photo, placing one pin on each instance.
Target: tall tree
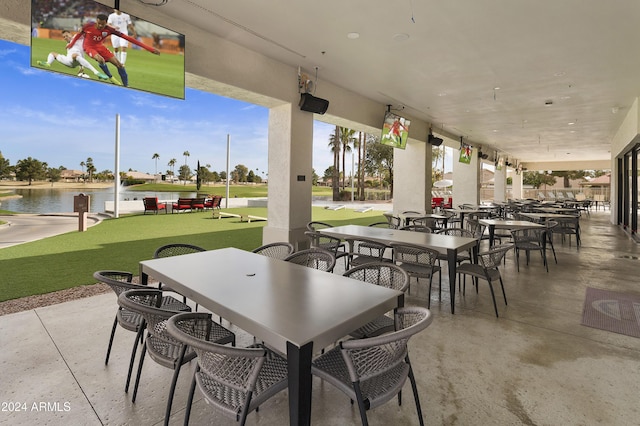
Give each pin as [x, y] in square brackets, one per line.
[91, 169]
[155, 157]
[239, 173]
[31, 169]
[568, 175]
[185, 173]
[82, 164]
[334, 145]
[172, 164]
[379, 162]
[5, 167]
[346, 140]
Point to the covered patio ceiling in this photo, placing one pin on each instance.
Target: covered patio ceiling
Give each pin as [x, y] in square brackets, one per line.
[538, 81]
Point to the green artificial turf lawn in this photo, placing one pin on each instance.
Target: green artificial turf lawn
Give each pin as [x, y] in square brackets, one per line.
[163, 74]
[69, 260]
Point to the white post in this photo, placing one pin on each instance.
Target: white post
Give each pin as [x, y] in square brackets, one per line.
[116, 173]
[226, 198]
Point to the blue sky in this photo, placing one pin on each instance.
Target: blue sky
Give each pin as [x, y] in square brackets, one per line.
[64, 120]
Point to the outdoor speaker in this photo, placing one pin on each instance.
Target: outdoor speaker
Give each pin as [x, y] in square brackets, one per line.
[435, 141]
[310, 103]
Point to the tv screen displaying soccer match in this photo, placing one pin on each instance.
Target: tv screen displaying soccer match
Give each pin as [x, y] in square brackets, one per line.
[86, 39]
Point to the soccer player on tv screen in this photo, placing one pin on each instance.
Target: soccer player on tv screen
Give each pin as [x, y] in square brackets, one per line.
[94, 35]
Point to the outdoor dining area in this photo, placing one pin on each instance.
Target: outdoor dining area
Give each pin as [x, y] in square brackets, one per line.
[431, 306]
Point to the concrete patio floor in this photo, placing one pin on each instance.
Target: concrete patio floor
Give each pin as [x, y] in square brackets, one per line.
[535, 365]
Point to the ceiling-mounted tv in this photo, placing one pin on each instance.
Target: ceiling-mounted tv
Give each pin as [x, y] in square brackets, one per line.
[86, 39]
[395, 130]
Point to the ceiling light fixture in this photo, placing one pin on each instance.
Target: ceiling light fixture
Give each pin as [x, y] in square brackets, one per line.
[353, 35]
[400, 37]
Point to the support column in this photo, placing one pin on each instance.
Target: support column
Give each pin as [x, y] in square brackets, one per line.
[500, 185]
[516, 186]
[290, 174]
[412, 177]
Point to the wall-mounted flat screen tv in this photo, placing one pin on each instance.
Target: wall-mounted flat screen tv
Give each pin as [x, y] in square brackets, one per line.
[86, 39]
[395, 130]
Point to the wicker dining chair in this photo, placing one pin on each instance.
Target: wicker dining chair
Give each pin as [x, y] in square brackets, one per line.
[333, 244]
[176, 249]
[120, 281]
[384, 274]
[487, 269]
[418, 262]
[162, 347]
[317, 258]
[363, 250]
[374, 370]
[277, 250]
[234, 380]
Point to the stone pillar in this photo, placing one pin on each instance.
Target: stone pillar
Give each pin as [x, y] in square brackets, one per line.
[412, 177]
[516, 186]
[500, 185]
[290, 174]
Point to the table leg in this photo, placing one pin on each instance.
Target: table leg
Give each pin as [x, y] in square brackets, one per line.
[299, 368]
[452, 261]
[492, 233]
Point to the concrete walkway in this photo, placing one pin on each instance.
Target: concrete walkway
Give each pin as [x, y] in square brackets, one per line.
[535, 365]
[22, 228]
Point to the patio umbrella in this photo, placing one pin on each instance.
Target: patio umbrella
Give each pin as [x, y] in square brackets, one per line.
[198, 182]
[444, 183]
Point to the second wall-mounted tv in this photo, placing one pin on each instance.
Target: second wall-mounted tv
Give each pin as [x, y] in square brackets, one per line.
[153, 57]
[395, 130]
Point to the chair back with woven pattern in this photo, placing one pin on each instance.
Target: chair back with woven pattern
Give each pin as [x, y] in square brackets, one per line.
[417, 228]
[234, 380]
[119, 281]
[414, 255]
[364, 250]
[456, 232]
[277, 250]
[327, 242]
[491, 259]
[317, 258]
[373, 370]
[384, 274]
[177, 249]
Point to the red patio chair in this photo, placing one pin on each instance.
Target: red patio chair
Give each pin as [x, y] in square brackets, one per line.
[151, 204]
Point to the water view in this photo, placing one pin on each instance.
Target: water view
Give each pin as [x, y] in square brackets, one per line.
[59, 200]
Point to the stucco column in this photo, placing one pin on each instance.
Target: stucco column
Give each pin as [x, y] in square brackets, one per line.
[516, 186]
[290, 174]
[500, 185]
[412, 177]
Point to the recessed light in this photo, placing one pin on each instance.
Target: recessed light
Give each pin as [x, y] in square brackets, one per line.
[400, 37]
[571, 123]
[496, 88]
[442, 94]
[559, 74]
[353, 36]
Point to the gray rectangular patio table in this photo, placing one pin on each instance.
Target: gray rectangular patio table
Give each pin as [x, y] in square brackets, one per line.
[292, 308]
[494, 224]
[443, 243]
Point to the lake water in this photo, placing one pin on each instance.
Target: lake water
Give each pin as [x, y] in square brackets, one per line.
[56, 200]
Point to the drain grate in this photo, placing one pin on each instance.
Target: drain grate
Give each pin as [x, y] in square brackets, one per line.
[628, 257]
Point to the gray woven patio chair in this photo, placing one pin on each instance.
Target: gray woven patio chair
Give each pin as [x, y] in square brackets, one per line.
[530, 239]
[277, 250]
[417, 228]
[176, 249]
[384, 274]
[120, 281]
[162, 347]
[363, 251]
[234, 380]
[567, 227]
[372, 371]
[317, 258]
[327, 242]
[487, 269]
[418, 262]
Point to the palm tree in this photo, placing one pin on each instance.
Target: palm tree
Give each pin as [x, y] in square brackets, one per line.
[82, 164]
[346, 139]
[155, 157]
[172, 164]
[334, 145]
